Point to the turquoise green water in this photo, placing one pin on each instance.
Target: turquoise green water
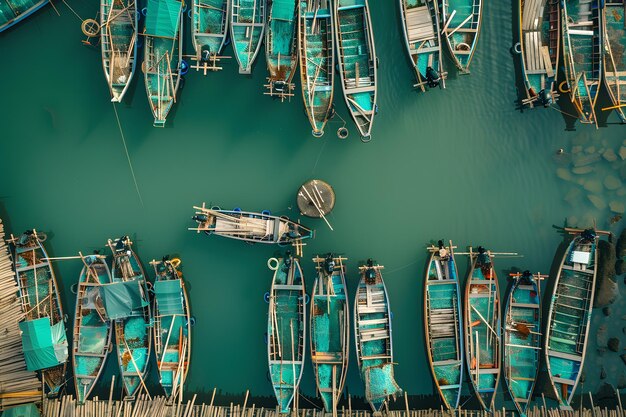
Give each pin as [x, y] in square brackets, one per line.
[461, 163]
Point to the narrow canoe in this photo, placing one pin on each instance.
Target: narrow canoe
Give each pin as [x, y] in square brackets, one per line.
[172, 326]
[281, 51]
[358, 64]
[330, 329]
[14, 11]
[614, 57]
[317, 54]
[39, 294]
[582, 53]
[118, 38]
[372, 334]
[461, 21]
[163, 54]
[93, 344]
[209, 30]
[247, 24]
[422, 38]
[286, 329]
[482, 318]
[539, 35]
[442, 322]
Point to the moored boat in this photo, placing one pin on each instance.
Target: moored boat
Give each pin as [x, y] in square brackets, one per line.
[286, 329]
[209, 30]
[461, 21]
[247, 24]
[614, 56]
[14, 11]
[281, 51]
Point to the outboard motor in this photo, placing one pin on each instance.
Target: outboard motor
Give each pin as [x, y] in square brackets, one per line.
[545, 97]
[432, 77]
[527, 277]
[440, 244]
[23, 240]
[279, 86]
[329, 264]
[588, 235]
[287, 260]
[200, 218]
[370, 274]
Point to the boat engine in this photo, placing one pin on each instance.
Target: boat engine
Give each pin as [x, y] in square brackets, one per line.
[432, 77]
[545, 97]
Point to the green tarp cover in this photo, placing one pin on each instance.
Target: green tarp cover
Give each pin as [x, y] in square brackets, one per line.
[284, 9]
[169, 297]
[163, 17]
[44, 345]
[25, 410]
[121, 298]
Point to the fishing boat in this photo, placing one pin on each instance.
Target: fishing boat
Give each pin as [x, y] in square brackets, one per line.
[209, 30]
[286, 328]
[582, 53]
[614, 57]
[247, 24]
[14, 11]
[330, 329]
[442, 323]
[461, 26]
[372, 334]
[569, 314]
[481, 318]
[172, 326]
[249, 226]
[163, 56]
[420, 23]
[281, 50]
[118, 38]
[44, 318]
[539, 48]
[522, 338]
[357, 60]
[92, 328]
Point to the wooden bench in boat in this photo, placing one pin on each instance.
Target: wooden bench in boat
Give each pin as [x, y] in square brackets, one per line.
[419, 24]
[531, 14]
[372, 309]
[564, 355]
[374, 334]
[487, 370]
[372, 322]
[375, 357]
[563, 380]
[288, 287]
[583, 270]
[29, 267]
[524, 305]
[327, 357]
[447, 362]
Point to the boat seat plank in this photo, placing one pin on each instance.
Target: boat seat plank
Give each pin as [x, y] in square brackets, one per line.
[288, 287]
[524, 305]
[482, 282]
[371, 309]
[373, 321]
[564, 355]
[563, 380]
[447, 362]
[583, 270]
[487, 370]
[547, 62]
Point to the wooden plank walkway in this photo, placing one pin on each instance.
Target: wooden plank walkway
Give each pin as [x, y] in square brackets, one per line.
[419, 24]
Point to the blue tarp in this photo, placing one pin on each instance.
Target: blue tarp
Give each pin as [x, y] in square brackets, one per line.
[120, 299]
[44, 345]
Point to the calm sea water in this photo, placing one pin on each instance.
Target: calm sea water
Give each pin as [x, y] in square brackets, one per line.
[463, 163]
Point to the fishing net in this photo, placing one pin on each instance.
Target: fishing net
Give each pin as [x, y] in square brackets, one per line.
[380, 382]
[92, 340]
[135, 332]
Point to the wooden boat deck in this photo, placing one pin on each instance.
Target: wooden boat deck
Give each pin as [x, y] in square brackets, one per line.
[419, 24]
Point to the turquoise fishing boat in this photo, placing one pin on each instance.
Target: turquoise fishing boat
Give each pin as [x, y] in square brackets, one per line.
[582, 53]
[44, 319]
[286, 329]
[539, 34]
[247, 24]
[358, 64]
[118, 39]
[442, 323]
[92, 328]
[614, 56]
[482, 321]
[461, 21]
[163, 56]
[209, 30]
[422, 37]
[330, 329]
[281, 50]
[316, 46]
[14, 11]
[372, 334]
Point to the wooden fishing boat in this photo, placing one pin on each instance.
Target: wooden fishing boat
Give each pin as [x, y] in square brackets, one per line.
[281, 50]
[209, 30]
[14, 11]
[420, 23]
[118, 38]
[286, 328]
[614, 57]
[247, 24]
[461, 26]
[163, 55]
[330, 329]
[442, 323]
[172, 326]
[582, 53]
[317, 54]
[481, 318]
[358, 64]
[39, 296]
[372, 334]
[92, 329]
[248, 226]
[522, 338]
[539, 35]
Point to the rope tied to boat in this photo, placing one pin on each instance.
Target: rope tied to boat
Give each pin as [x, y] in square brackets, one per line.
[132, 171]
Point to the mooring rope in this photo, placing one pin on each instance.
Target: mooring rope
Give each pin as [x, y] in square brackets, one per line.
[319, 155]
[565, 113]
[132, 171]
[73, 11]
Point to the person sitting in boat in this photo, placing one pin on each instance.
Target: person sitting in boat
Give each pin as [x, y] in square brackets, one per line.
[443, 252]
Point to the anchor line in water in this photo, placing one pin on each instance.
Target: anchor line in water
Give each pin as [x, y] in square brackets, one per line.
[73, 11]
[319, 155]
[132, 171]
[565, 113]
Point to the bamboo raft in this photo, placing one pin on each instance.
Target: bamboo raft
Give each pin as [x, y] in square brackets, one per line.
[247, 24]
[209, 30]
[613, 25]
[14, 11]
[281, 49]
[461, 21]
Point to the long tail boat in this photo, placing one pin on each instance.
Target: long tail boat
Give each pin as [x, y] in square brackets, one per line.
[461, 21]
[481, 318]
[249, 226]
[442, 322]
[317, 54]
[39, 295]
[14, 11]
[281, 50]
[540, 30]
[358, 64]
[420, 21]
[92, 329]
[330, 329]
[522, 338]
[372, 334]
[209, 30]
[118, 38]
[582, 53]
[286, 329]
[163, 55]
[172, 326]
[614, 57]
[247, 24]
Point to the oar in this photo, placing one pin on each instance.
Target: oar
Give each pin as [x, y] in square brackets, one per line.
[483, 320]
